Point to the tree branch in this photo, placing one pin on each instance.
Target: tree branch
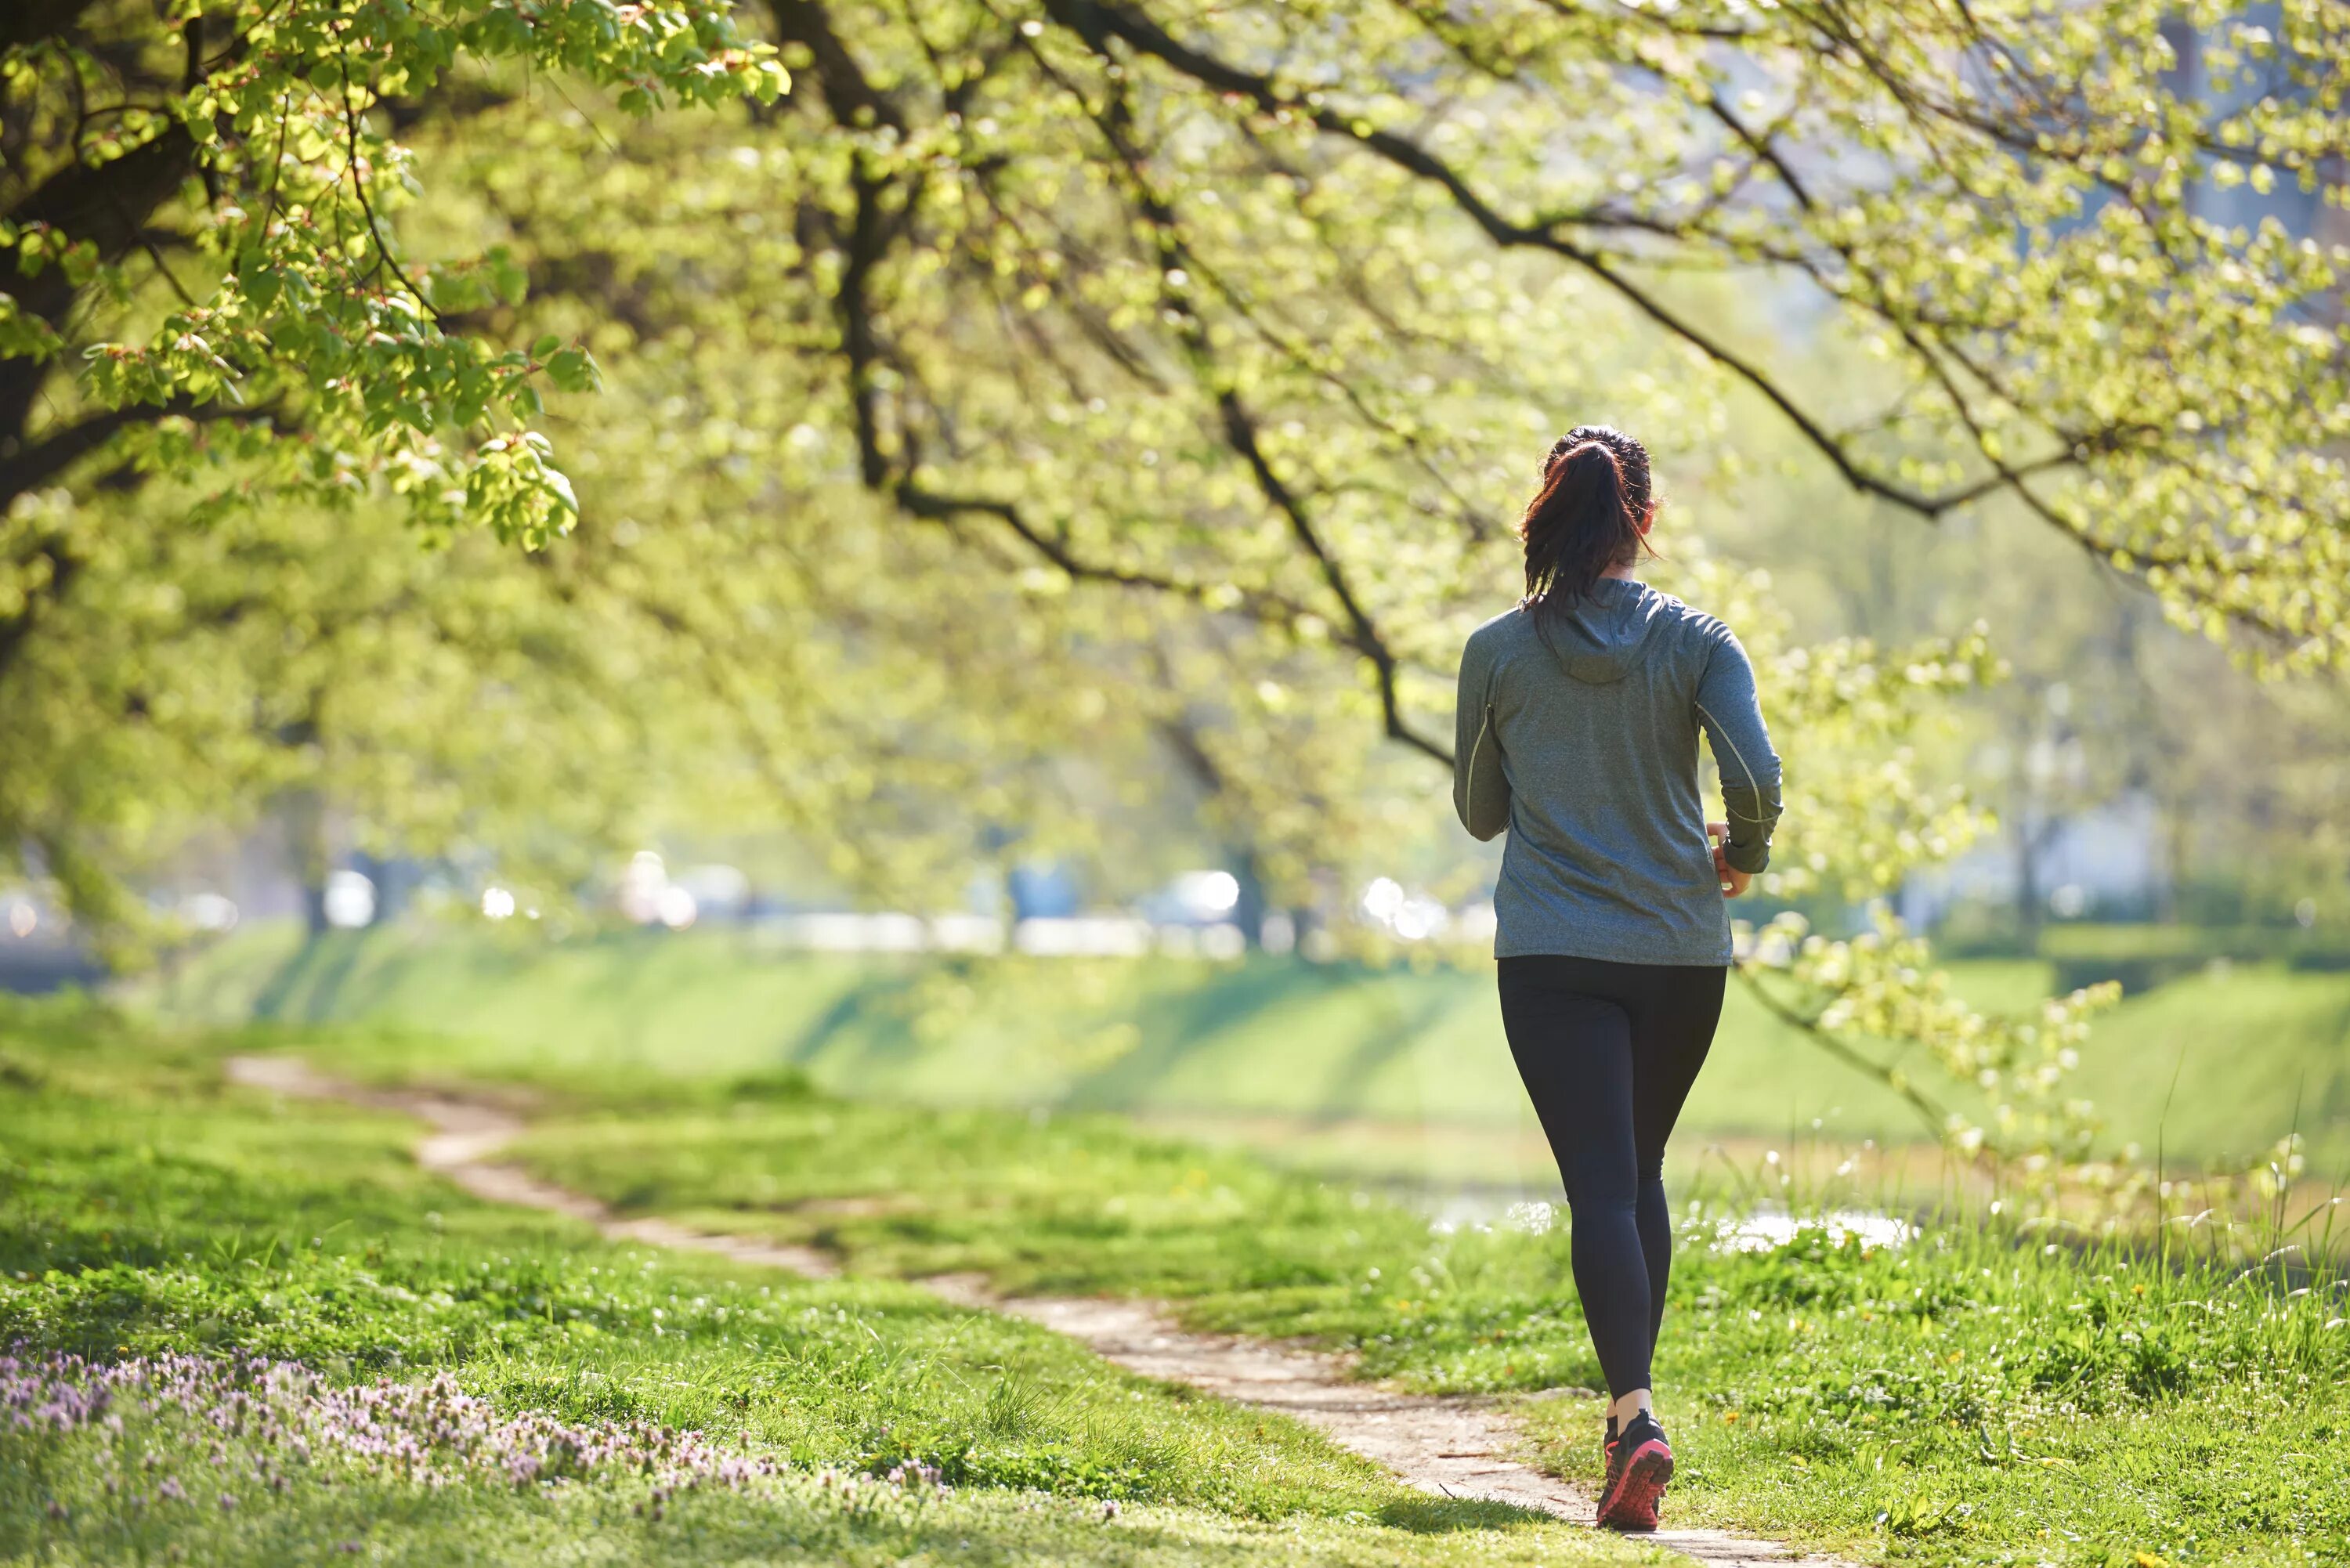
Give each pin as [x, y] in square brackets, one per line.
[1096, 21]
[30, 467]
[1239, 423]
[1936, 1118]
[849, 94]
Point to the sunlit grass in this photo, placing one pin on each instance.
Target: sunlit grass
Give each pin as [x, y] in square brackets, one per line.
[1994, 1390]
[146, 1209]
[1948, 1399]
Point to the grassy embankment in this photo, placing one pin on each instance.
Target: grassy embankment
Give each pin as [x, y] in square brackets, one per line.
[146, 1209]
[1399, 1072]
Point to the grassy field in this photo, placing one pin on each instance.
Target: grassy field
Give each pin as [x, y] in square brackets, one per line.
[234, 1332]
[1977, 1396]
[1399, 1071]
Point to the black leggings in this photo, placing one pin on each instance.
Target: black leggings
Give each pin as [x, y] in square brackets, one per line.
[1609, 1052]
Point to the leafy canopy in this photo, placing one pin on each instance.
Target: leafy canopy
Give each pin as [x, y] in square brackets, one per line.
[199, 205]
[1206, 350]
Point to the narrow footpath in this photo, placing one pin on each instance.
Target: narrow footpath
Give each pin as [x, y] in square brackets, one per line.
[1458, 1445]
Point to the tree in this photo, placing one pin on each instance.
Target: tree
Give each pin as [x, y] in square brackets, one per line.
[196, 231]
[1280, 243]
[440, 700]
[727, 419]
[199, 269]
[1218, 342]
[1259, 312]
[1265, 308]
[2106, 703]
[523, 715]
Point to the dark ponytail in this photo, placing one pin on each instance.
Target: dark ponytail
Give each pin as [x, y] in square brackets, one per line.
[1586, 517]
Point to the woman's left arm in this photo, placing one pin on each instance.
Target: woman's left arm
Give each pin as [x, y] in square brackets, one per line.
[1732, 715]
[1481, 791]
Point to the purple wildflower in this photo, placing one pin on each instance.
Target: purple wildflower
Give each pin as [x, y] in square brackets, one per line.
[432, 1433]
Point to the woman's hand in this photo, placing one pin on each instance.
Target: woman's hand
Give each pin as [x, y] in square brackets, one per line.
[1733, 882]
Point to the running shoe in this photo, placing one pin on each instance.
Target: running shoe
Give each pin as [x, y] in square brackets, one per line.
[1637, 1468]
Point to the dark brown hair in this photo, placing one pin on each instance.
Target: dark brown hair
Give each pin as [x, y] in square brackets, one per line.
[1586, 518]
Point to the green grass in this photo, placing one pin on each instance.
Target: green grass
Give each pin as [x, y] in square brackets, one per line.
[1284, 1052]
[147, 1207]
[1982, 1395]
[795, 1522]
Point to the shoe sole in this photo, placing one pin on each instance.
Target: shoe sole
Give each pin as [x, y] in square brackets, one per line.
[1631, 1507]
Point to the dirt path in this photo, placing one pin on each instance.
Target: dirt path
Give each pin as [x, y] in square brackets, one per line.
[466, 1136]
[1458, 1445]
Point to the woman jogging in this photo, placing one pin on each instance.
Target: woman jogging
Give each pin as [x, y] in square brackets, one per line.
[1578, 720]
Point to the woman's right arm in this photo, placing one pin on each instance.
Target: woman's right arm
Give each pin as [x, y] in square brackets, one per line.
[1481, 791]
[1732, 715]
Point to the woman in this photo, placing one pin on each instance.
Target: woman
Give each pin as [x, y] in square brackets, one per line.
[1577, 728]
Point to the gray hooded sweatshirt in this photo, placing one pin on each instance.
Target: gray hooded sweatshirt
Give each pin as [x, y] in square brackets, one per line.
[1585, 749]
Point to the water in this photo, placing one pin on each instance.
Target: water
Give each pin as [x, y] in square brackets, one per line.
[1762, 1229]
[1770, 1226]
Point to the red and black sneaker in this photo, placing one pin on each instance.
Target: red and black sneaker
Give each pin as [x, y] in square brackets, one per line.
[1638, 1466]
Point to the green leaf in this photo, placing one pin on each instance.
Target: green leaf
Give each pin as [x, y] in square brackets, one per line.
[572, 371]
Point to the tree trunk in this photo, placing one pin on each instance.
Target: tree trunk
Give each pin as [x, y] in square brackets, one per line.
[308, 856]
[2023, 797]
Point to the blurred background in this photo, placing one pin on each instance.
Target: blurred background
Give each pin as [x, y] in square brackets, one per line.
[2162, 820]
[779, 756]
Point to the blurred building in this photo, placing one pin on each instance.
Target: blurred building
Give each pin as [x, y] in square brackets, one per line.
[2106, 861]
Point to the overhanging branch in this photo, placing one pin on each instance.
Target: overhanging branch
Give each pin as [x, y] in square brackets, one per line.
[1936, 1118]
[1097, 21]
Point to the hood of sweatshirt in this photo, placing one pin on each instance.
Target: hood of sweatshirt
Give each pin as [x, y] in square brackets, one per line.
[1602, 637]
